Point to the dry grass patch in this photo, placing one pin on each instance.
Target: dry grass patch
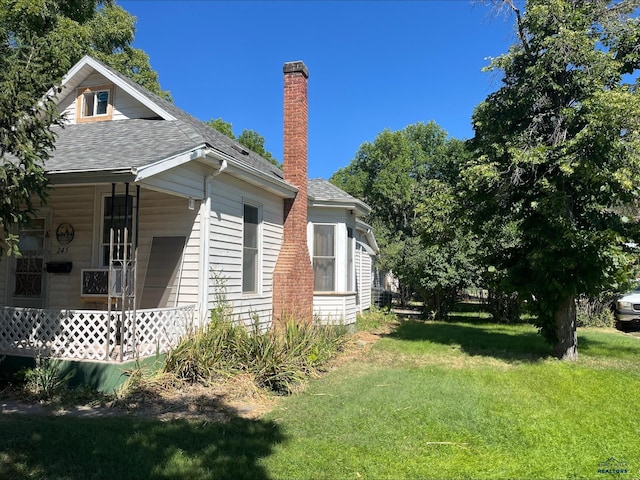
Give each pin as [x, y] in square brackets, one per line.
[167, 397]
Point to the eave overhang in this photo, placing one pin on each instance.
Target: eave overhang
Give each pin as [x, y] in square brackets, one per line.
[254, 176]
[360, 208]
[215, 161]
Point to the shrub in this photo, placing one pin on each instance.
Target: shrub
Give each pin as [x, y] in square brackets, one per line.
[595, 311]
[504, 307]
[375, 318]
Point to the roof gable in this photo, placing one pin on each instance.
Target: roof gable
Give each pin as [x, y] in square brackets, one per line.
[88, 65]
[168, 130]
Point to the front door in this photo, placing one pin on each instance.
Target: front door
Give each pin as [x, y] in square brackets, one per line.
[27, 273]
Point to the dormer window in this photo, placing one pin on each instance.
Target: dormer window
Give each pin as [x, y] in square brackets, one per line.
[95, 104]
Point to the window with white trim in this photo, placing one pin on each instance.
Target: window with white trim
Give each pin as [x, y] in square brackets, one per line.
[350, 252]
[122, 217]
[250, 249]
[324, 258]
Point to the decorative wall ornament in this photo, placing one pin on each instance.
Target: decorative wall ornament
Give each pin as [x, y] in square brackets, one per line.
[65, 233]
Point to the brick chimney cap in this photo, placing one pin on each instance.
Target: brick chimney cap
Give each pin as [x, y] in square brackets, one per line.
[295, 67]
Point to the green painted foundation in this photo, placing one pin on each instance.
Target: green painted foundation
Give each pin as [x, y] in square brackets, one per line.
[104, 377]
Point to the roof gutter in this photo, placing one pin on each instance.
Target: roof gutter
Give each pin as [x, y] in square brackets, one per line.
[361, 208]
[250, 174]
[368, 233]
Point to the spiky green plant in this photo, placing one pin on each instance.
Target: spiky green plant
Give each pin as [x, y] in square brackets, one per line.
[46, 378]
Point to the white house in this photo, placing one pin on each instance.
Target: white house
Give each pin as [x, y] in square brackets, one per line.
[153, 215]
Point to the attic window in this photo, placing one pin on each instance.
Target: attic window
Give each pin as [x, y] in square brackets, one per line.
[95, 104]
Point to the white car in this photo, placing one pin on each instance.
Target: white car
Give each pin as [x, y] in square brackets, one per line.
[628, 309]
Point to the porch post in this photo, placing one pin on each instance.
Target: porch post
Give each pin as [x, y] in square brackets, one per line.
[135, 272]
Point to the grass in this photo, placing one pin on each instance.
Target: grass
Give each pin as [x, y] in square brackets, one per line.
[374, 319]
[125, 448]
[466, 399]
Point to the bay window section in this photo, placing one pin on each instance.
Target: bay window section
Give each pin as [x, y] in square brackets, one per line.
[324, 258]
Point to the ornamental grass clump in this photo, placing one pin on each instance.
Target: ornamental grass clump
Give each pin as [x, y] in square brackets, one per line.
[278, 358]
[46, 379]
[287, 353]
[204, 353]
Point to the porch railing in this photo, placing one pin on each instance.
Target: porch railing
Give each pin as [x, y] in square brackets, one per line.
[92, 334]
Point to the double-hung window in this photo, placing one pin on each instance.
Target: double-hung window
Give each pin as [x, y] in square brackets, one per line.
[250, 249]
[324, 258]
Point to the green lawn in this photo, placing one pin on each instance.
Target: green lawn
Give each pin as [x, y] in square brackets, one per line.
[465, 399]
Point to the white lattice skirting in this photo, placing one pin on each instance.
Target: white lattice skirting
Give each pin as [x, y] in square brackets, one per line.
[92, 334]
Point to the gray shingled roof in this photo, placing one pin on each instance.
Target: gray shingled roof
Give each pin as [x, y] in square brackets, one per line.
[134, 143]
[116, 145]
[321, 189]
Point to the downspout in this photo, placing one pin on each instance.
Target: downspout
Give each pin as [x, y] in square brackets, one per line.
[222, 168]
[359, 275]
[205, 240]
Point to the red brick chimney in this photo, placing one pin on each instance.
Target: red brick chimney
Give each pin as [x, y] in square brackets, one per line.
[293, 275]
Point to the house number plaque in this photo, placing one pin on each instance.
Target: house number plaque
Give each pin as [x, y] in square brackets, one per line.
[64, 233]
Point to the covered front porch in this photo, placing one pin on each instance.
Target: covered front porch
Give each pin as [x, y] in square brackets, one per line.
[67, 296]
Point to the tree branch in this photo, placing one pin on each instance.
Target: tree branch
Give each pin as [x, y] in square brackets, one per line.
[521, 32]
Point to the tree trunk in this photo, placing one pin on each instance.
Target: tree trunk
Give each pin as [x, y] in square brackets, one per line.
[566, 347]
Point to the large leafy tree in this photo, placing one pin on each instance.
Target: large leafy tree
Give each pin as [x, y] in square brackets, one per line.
[248, 138]
[409, 179]
[557, 150]
[39, 41]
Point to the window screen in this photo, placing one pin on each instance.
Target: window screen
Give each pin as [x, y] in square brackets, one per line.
[324, 259]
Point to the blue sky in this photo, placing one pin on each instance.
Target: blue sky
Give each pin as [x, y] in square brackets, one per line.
[373, 65]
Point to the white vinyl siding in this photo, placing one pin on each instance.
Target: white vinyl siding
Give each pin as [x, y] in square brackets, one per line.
[163, 215]
[75, 206]
[124, 105]
[226, 246]
[340, 301]
[363, 278]
[350, 254]
[185, 180]
[332, 308]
